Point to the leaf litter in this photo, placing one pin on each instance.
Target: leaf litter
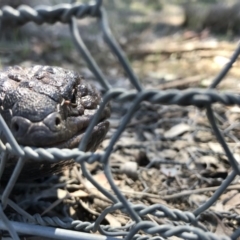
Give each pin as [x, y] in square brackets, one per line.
[174, 166]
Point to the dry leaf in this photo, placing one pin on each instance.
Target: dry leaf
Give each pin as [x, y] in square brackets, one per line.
[149, 136]
[221, 61]
[215, 147]
[168, 153]
[208, 160]
[232, 202]
[237, 157]
[61, 194]
[170, 171]
[87, 207]
[130, 169]
[234, 109]
[113, 221]
[197, 199]
[79, 193]
[221, 229]
[102, 180]
[177, 130]
[218, 207]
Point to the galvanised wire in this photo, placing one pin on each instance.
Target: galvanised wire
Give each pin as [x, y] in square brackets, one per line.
[68, 13]
[225, 70]
[53, 233]
[229, 215]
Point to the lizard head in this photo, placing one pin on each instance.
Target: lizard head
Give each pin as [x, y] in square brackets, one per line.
[50, 107]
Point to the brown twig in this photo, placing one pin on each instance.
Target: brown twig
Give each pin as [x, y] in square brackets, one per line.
[181, 194]
[181, 82]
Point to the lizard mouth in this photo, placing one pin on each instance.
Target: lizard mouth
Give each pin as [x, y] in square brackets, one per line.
[52, 131]
[97, 136]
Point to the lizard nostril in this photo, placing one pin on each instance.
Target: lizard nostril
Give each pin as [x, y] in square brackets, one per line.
[54, 122]
[57, 121]
[15, 127]
[19, 126]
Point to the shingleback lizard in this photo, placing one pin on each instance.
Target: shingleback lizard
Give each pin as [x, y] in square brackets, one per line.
[48, 107]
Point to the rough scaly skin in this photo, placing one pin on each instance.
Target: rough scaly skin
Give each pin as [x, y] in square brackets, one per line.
[48, 107]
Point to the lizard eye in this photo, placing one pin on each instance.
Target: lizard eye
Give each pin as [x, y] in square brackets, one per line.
[73, 98]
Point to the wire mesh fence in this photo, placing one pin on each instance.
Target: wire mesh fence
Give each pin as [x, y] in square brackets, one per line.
[139, 227]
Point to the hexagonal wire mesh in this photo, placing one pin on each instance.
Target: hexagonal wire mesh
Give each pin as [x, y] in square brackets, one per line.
[69, 229]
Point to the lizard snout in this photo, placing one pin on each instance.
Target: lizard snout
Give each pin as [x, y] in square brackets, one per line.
[19, 126]
[54, 122]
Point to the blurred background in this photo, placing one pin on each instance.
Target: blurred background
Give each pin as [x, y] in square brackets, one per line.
[175, 44]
